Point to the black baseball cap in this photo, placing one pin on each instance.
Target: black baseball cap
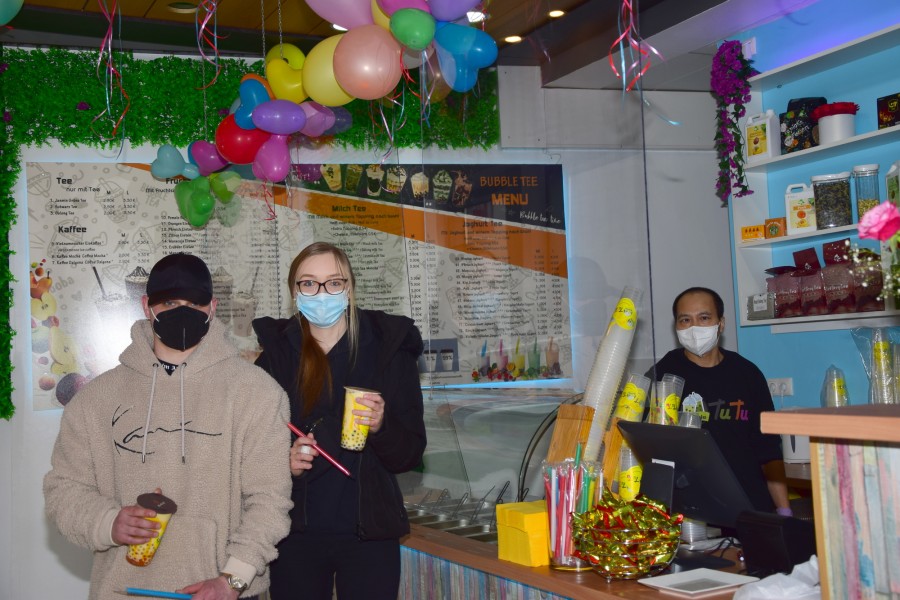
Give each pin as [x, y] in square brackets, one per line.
[179, 277]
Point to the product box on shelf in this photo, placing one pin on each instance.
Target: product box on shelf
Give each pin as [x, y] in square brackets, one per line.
[761, 306]
[888, 111]
[762, 137]
[800, 207]
[753, 232]
[776, 227]
[799, 131]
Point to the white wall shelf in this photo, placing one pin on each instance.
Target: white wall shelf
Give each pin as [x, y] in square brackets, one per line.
[811, 76]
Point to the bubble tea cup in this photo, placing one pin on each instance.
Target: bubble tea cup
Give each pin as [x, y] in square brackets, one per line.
[140, 555]
[353, 435]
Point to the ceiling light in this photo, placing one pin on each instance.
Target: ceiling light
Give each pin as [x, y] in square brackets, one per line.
[475, 16]
[338, 27]
[182, 7]
[512, 39]
[556, 13]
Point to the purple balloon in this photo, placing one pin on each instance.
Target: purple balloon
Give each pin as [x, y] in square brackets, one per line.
[316, 119]
[389, 7]
[273, 159]
[451, 10]
[343, 120]
[206, 156]
[308, 172]
[281, 117]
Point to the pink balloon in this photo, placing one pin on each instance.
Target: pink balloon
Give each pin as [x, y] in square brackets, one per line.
[206, 156]
[273, 160]
[346, 13]
[316, 119]
[391, 6]
[451, 10]
[367, 62]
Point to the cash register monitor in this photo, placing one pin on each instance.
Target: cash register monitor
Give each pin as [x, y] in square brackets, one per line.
[703, 485]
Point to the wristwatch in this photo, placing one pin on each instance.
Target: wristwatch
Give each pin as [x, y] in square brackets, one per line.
[236, 583]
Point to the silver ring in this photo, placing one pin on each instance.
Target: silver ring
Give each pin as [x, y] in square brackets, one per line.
[305, 450]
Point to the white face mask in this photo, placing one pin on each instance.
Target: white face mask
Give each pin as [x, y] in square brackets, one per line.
[698, 340]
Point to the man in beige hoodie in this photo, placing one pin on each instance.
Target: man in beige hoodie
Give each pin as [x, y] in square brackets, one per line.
[184, 415]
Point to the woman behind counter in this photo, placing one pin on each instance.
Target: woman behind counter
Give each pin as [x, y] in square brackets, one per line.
[345, 531]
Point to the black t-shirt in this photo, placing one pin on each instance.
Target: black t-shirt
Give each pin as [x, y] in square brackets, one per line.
[735, 393]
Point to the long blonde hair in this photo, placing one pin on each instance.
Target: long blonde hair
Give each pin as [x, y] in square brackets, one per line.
[314, 371]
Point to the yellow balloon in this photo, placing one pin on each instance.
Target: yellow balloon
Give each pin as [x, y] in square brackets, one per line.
[318, 74]
[381, 18]
[285, 81]
[289, 52]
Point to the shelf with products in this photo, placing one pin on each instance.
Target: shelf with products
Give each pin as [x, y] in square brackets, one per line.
[853, 72]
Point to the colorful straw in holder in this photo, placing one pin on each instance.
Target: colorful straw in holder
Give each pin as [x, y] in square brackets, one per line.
[570, 487]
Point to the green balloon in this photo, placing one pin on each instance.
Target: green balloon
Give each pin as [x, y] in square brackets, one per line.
[229, 214]
[413, 28]
[195, 203]
[224, 184]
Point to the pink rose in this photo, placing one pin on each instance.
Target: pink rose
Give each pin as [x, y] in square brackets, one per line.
[880, 223]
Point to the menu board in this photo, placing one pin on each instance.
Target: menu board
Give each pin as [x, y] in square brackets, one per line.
[475, 254]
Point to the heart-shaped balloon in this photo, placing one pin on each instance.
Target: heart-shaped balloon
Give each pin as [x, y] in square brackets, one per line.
[169, 162]
[282, 117]
[206, 156]
[289, 53]
[346, 13]
[413, 28]
[195, 203]
[224, 185]
[308, 172]
[286, 81]
[252, 93]
[273, 161]
[238, 145]
[229, 214]
[316, 119]
[461, 52]
[391, 6]
[451, 10]
[343, 120]
[190, 171]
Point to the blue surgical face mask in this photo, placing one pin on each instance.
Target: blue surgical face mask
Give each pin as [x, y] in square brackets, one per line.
[323, 310]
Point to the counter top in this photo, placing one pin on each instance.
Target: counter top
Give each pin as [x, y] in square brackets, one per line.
[585, 585]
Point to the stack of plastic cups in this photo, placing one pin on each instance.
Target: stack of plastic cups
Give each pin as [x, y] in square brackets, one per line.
[881, 388]
[608, 367]
[667, 400]
[834, 390]
[630, 472]
[691, 530]
[633, 398]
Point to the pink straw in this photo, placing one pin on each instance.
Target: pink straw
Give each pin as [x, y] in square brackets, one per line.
[324, 454]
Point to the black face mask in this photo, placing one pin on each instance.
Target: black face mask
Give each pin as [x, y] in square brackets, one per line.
[181, 328]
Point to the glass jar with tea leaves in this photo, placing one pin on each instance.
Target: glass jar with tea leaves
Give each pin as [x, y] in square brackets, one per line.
[866, 180]
[833, 204]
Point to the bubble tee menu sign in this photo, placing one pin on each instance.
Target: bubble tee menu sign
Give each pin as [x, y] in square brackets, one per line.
[475, 254]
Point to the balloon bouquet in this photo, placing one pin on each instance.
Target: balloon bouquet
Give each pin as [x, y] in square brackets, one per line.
[304, 95]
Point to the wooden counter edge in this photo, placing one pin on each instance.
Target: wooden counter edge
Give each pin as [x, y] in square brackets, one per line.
[869, 422]
[483, 557]
[585, 585]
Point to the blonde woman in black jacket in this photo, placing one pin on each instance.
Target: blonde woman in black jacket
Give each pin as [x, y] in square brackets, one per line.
[345, 531]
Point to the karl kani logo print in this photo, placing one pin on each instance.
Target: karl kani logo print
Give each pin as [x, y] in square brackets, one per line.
[132, 440]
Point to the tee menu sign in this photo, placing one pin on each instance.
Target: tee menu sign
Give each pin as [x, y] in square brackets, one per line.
[475, 254]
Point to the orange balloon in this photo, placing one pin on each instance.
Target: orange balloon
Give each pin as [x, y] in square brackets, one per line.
[262, 80]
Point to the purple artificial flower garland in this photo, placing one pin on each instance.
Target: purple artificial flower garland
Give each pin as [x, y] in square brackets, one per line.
[728, 85]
